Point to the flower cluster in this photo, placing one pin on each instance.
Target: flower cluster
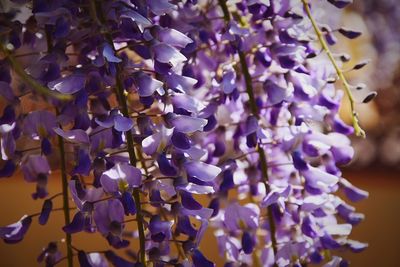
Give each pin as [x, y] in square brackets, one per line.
[149, 109]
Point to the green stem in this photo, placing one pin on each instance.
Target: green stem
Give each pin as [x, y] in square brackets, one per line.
[132, 158]
[99, 18]
[357, 128]
[64, 179]
[255, 111]
[19, 70]
[249, 84]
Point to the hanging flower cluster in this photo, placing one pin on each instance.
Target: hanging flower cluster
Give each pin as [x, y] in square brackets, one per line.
[166, 118]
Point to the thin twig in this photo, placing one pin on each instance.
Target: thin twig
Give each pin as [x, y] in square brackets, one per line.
[255, 111]
[99, 18]
[357, 128]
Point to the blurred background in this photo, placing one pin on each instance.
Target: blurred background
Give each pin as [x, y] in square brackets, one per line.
[375, 168]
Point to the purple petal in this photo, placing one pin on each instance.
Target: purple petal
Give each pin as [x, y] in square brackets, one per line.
[146, 84]
[84, 164]
[187, 102]
[195, 153]
[97, 260]
[202, 230]
[160, 230]
[116, 260]
[196, 189]
[120, 172]
[7, 169]
[275, 194]
[34, 165]
[69, 84]
[186, 124]
[173, 37]
[308, 227]
[83, 259]
[298, 161]
[352, 192]
[75, 136]
[340, 3]
[180, 140]
[356, 246]
[248, 243]
[336, 262]
[115, 210]
[342, 155]
[189, 202]
[328, 242]
[230, 246]
[184, 226]
[229, 82]
[316, 176]
[167, 54]
[275, 93]
[151, 143]
[108, 53]
[204, 213]
[6, 92]
[141, 21]
[200, 261]
[202, 171]
[235, 213]
[160, 7]
[165, 166]
[181, 83]
[341, 127]
[107, 122]
[129, 203]
[46, 210]
[77, 224]
[15, 232]
[39, 123]
[101, 218]
[251, 125]
[351, 34]
[338, 229]
[122, 124]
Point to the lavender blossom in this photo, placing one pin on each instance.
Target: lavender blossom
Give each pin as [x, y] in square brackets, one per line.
[150, 109]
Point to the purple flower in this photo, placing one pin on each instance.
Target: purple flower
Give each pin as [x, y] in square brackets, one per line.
[157, 141]
[164, 53]
[68, 84]
[161, 7]
[185, 124]
[352, 192]
[50, 254]
[75, 136]
[36, 169]
[237, 216]
[202, 171]
[160, 230]
[120, 178]
[15, 232]
[46, 210]
[109, 217]
[173, 37]
[39, 124]
[199, 260]
[146, 85]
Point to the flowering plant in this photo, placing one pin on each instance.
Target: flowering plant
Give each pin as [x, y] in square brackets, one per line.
[177, 117]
